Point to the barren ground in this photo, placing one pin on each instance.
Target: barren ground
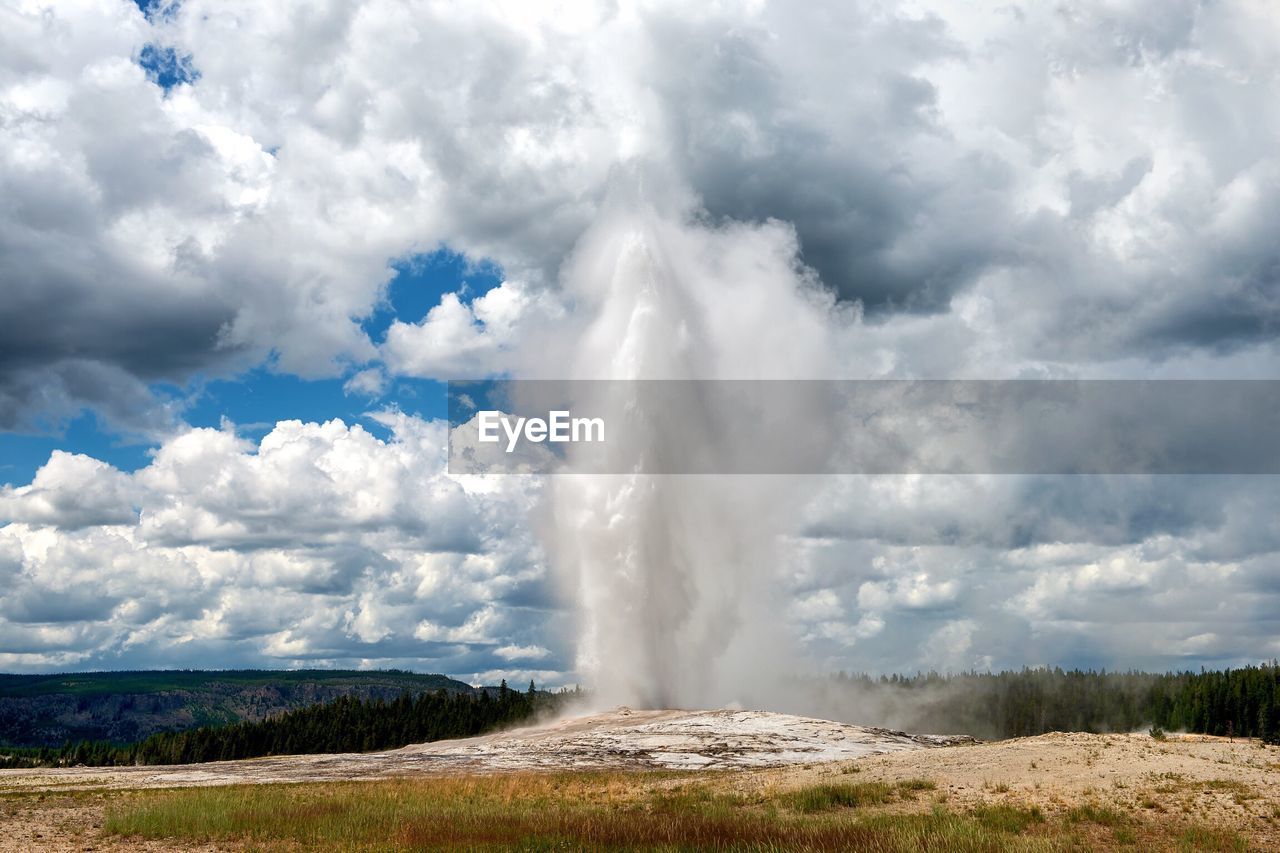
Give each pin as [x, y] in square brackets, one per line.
[1225, 783]
[1184, 779]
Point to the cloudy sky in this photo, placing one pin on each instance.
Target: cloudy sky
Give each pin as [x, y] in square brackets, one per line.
[242, 244]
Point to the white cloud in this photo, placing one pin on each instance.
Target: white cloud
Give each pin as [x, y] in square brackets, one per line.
[914, 592]
[457, 340]
[1067, 191]
[72, 490]
[320, 542]
[1040, 191]
[371, 382]
[514, 653]
[950, 647]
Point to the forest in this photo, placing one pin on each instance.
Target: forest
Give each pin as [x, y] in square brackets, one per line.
[347, 724]
[1242, 702]
[122, 707]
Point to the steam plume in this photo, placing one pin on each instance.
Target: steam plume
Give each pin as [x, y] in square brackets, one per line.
[673, 573]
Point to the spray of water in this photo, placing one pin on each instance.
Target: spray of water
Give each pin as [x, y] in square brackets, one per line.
[676, 575]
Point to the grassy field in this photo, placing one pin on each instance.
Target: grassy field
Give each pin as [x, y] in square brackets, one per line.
[627, 811]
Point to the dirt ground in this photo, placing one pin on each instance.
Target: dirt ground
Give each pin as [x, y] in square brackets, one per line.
[1184, 779]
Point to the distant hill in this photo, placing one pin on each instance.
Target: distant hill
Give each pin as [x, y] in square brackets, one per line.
[124, 707]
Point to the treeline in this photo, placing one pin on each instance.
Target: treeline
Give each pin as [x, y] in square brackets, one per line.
[348, 724]
[1235, 702]
[127, 707]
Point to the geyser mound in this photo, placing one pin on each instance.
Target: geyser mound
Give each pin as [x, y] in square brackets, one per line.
[672, 739]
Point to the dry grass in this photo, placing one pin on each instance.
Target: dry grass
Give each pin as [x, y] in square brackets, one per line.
[638, 811]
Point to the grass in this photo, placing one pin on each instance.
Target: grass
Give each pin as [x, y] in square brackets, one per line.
[1007, 818]
[816, 798]
[1240, 791]
[546, 811]
[1101, 815]
[625, 811]
[1204, 838]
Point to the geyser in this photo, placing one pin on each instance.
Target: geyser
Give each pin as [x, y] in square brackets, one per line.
[673, 574]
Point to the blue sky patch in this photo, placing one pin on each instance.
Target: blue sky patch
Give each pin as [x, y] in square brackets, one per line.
[166, 67]
[158, 10]
[420, 282]
[21, 455]
[257, 400]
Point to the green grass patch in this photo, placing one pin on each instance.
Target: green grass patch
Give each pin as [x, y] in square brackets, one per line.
[817, 798]
[1007, 818]
[1203, 838]
[1125, 836]
[1093, 813]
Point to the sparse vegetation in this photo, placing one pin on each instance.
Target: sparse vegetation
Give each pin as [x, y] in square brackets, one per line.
[617, 810]
[1203, 838]
[1239, 790]
[1093, 813]
[591, 811]
[817, 798]
[1007, 818]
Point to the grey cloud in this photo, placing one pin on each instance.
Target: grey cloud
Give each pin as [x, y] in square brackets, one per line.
[1101, 174]
[824, 145]
[37, 604]
[1021, 511]
[1031, 191]
[903, 151]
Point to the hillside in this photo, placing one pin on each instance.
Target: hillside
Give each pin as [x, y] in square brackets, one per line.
[122, 707]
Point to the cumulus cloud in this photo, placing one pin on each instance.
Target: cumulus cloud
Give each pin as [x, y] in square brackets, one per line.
[1110, 571]
[977, 190]
[285, 551]
[274, 552]
[1057, 186]
[467, 340]
[914, 592]
[72, 491]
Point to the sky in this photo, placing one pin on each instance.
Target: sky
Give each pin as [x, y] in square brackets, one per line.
[242, 245]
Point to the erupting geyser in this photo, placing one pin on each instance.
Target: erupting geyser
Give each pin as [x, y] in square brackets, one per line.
[673, 573]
